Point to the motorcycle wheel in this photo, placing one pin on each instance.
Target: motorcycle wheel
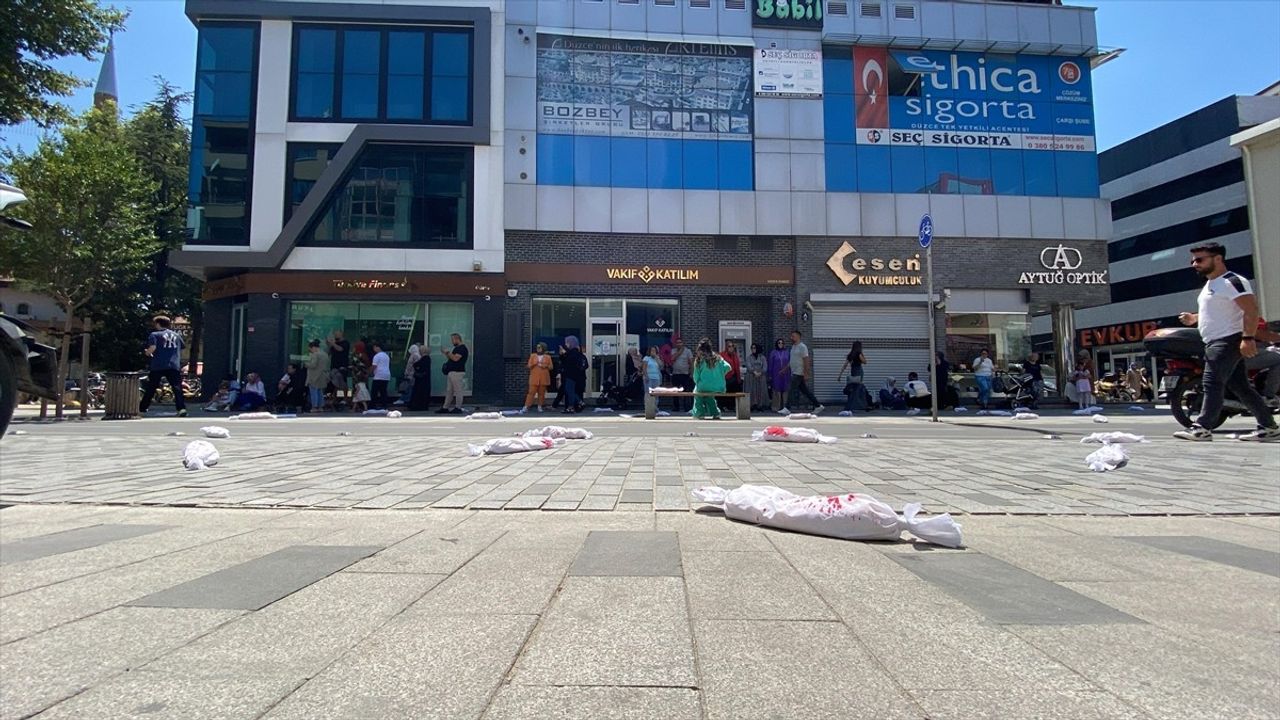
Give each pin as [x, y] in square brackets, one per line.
[8, 393]
[1184, 403]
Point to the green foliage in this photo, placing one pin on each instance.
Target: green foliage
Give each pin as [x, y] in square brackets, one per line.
[34, 32]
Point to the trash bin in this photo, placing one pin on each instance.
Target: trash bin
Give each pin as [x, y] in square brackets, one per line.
[122, 395]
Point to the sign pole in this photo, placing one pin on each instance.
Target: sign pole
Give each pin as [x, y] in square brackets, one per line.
[926, 242]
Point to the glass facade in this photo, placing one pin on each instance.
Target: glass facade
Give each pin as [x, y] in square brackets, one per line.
[398, 195]
[607, 329]
[395, 325]
[363, 73]
[1007, 336]
[221, 169]
[306, 162]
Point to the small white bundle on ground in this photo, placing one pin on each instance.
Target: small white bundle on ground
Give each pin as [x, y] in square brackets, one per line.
[254, 416]
[844, 413]
[961, 409]
[506, 446]
[848, 517]
[199, 454]
[1137, 408]
[1108, 457]
[913, 411]
[1100, 419]
[664, 413]
[801, 416]
[393, 414]
[603, 410]
[1092, 409]
[556, 431]
[999, 413]
[776, 433]
[214, 431]
[485, 416]
[1026, 416]
[665, 390]
[1109, 438]
[374, 411]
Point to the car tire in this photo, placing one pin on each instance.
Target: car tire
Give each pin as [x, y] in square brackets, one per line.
[8, 393]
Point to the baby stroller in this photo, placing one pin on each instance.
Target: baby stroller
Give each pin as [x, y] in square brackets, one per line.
[1018, 390]
[618, 396]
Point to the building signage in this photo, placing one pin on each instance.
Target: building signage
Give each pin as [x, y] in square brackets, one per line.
[370, 284]
[793, 14]
[1061, 267]
[647, 274]
[852, 269]
[560, 273]
[638, 88]
[1119, 334]
[972, 100]
[788, 73]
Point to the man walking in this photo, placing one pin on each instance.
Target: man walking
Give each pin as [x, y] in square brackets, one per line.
[801, 367]
[1227, 320]
[164, 347]
[455, 369]
[381, 376]
[681, 372]
[1033, 367]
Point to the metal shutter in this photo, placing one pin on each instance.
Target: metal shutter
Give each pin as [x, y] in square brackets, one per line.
[882, 362]
[870, 321]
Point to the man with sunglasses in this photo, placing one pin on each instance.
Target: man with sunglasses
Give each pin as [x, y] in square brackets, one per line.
[1227, 318]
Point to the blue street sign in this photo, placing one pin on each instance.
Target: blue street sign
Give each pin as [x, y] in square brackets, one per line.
[926, 230]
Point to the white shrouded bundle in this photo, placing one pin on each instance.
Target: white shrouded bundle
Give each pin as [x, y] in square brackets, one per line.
[254, 416]
[1107, 457]
[199, 454]
[506, 446]
[393, 414]
[1000, 413]
[556, 431]
[665, 390]
[1100, 419]
[485, 416]
[776, 433]
[214, 431]
[378, 412]
[1026, 416]
[801, 416]
[1108, 438]
[848, 517]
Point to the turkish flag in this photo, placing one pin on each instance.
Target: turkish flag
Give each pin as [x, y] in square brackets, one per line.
[871, 87]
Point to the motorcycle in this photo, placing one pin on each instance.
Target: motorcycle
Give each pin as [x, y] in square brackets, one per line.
[1183, 353]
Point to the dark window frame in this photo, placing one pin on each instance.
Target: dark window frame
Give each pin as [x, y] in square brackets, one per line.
[1197, 183]
[429, 32]
[1185, 233]
[305, 238]
[289, 149]
[251, 122]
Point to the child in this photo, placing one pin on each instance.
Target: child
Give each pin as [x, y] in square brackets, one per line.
[360, 401]
[1084, 385]
[221, 399]
[709, 371]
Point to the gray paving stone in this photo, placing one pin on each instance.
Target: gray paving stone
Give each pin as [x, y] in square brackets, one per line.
[515, 702]
[257, 583]
[1259, 561]
[31, 548]
[1022, 702]
[628, 554]
[749, 586]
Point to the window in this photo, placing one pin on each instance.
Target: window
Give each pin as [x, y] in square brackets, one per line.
[24, 309]
[221, 134]
[386, 74]
[306, 162]
[397, 195]
[1007, 336]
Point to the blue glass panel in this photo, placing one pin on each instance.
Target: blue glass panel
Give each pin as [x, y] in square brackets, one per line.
[1077, 174]
[450, 98]
[1038, 169]
[1006, 170]
[666, 164]
[701, 165]
[837, 73]
[941, 169]
[223, 94]
[873, 169]
[359, 96]
[313, 93]
[908, 169]
[361, 51]
[736, 164]
[226, 48]
[317, 50]
[406, 53]
[591, 160]
[837, 112]
[555, 159]
[975, 171]
[842, 167]
[404, 97]
[629, 162]
[451, 54]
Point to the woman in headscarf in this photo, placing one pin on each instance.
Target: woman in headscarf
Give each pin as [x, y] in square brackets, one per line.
[573, 372]
[420, 398]
[407, 380]
[539, 378]
[891, 397]
[779, 378]
[756, 377]
[709, 371]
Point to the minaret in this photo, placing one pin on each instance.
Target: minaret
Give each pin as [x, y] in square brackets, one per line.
[106, 87]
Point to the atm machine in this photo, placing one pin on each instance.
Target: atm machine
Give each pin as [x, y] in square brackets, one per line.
[739, 331]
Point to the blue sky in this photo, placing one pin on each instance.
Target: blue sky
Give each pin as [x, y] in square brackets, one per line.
[1180, 56]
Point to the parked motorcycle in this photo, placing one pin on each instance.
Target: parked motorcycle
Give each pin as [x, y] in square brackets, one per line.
[1183, 353]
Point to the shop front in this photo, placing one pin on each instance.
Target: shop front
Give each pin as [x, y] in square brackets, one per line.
[1116, 348]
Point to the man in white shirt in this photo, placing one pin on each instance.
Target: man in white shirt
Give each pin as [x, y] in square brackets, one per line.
[918, 392]
[381, 376]
[1227, 318]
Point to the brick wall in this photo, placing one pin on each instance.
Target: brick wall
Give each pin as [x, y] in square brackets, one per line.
[216, 343]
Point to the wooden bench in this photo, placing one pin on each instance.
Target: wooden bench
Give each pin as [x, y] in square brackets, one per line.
[741, 401]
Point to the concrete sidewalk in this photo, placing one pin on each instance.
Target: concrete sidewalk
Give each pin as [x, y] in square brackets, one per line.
[211, 614]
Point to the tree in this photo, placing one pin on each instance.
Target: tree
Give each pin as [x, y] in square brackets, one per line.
[88, 203]
[36, 31]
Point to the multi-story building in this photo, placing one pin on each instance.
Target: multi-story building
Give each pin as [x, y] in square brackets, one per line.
[1175, 187]
[628, 170]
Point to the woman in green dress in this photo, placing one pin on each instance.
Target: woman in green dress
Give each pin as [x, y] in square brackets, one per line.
[709, 370]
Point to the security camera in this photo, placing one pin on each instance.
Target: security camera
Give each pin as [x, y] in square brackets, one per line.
[808, 306]
[275, 296]
[512, 292]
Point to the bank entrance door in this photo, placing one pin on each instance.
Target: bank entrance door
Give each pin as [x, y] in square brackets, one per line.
[606, 354]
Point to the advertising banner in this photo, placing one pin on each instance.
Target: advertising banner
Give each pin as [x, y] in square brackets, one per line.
[790, 14]
[644, 89]
[972, 100]
[788, 73]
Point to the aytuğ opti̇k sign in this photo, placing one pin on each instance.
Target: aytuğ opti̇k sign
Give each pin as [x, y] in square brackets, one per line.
[972, 100]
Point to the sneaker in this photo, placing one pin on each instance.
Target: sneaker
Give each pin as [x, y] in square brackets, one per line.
[784, 411]
[541, 409]
[523, 411]
[1262, 434]
[456, 411]
[819, 409]
[182, 412]
[1194, 433]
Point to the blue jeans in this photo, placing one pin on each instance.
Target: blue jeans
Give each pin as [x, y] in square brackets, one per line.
[317, 397]
[572, 399]
[984, 389]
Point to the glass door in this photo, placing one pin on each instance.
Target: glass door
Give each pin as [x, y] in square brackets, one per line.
[606, 354]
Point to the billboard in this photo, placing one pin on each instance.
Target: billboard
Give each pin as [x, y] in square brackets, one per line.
[788, 73]
[644, 89]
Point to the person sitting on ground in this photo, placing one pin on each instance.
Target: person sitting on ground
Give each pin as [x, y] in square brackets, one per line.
[918, 395]
[221, 399]
[253, 394]
[891, 397]
[292, 390]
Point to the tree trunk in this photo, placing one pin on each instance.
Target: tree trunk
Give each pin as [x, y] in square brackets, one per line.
[64, 353]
